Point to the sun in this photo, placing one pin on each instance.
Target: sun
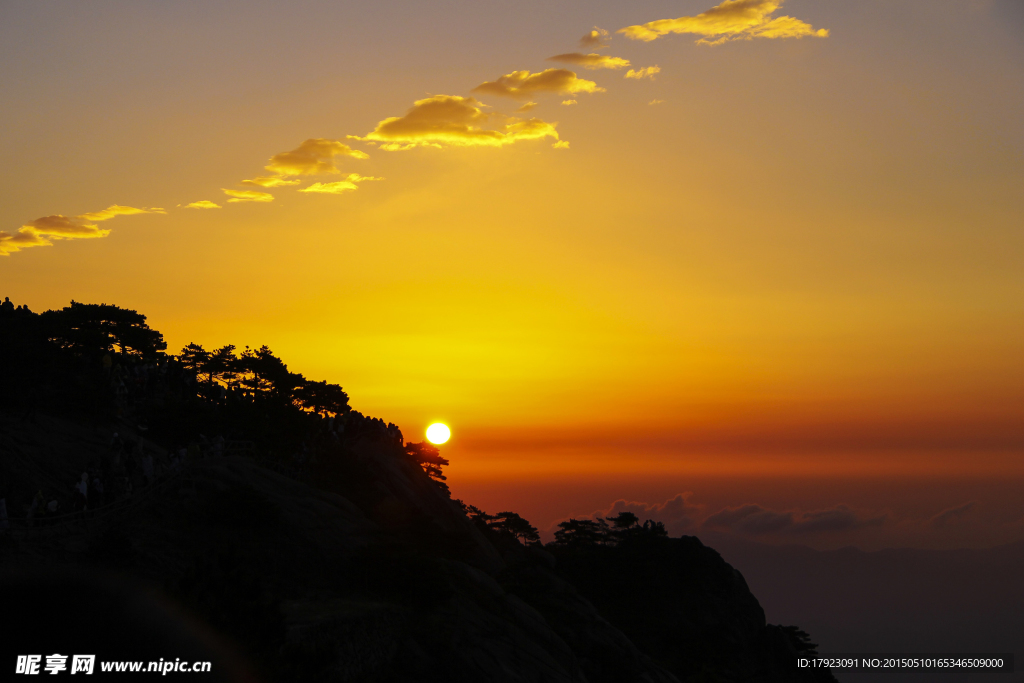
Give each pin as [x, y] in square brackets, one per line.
[438, 433]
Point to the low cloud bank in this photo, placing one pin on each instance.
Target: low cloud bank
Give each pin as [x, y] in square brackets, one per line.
[831, 526]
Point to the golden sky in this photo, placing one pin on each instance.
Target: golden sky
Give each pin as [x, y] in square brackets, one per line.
[591, 237]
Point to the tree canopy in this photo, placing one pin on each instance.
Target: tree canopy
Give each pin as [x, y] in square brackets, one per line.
[591, 532]
[504, 525]
[259, 373]
[84, 328]
[428, 456]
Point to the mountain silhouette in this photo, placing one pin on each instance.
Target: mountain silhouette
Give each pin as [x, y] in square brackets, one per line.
[213, 505]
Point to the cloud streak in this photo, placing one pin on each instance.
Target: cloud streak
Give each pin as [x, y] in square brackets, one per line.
[41, 232]
[338, 186]
[731, 20]
[202, 204]
[247, 196]
[951, 516]
[591, 61]
[754, 520]
[270, 181]
[523, 84]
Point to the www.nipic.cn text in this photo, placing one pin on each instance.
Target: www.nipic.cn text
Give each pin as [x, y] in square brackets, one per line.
[33, 665]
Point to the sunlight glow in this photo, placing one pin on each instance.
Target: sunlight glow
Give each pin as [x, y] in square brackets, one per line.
[438, 433]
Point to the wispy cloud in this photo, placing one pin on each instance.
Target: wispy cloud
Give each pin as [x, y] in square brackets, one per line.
[680, 516]
[270, 181]
[594, 39]
[951, 516]
[731, 20]
[444, 120]
[247, 196]
[646, 72]
[339, 186]
[115, 210]
[754, 520]
[568, 103]
[591, 61]
[527, 107]
[202, 204]
[653, 102]
[315, 156]
[42, 231]
[336, 187]
[523, 84]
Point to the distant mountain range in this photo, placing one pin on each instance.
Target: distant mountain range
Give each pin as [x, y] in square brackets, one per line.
[896, 600]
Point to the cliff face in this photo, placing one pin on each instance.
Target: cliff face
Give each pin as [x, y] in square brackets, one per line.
[363, 569]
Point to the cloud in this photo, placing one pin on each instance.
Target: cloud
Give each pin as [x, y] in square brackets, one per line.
[832, 526]
[202, 204]
[115, 210]
[400, 146]
[23, 239]
[594, 39]
[951, 516]
[749, 519]
[731, 20]
[569, 103]
[444, 120]
[339, 186]
[247, 196]
[839, 518]
[356, 178]
[527, 107]
[646, 72]
[681, 516]
[315, 156]
[63, 227]
[754, 520]
[41, 231]
[523, 84]
[561, 144]
[591, 61]
[653, 102]
[677, 513]
[787, 27]
[270, 181]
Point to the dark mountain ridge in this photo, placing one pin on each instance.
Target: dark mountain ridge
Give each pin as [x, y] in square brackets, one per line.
[284, 536]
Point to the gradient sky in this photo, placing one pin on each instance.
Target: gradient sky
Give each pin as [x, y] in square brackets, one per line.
[790, 253]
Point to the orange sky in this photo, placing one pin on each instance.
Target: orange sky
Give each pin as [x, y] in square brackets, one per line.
[793, 248]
